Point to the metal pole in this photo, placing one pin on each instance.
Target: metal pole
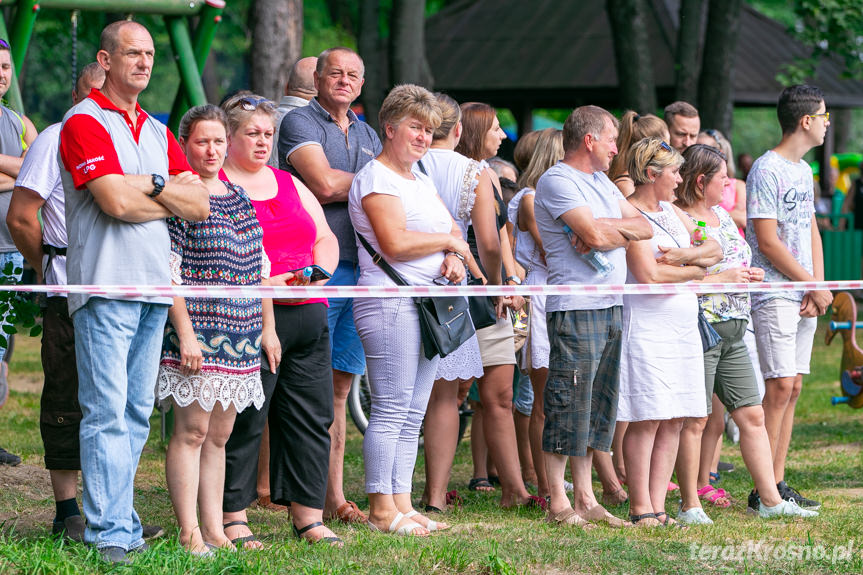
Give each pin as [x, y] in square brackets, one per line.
[163, 7]
[22, 30]
[202, 40]
[13, 95]
[190, 77]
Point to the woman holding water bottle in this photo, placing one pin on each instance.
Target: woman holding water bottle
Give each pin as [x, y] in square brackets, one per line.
[727, 367]
[662, 354]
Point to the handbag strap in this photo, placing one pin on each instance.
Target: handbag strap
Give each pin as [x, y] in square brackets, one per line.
[661, 227]
[382, 263]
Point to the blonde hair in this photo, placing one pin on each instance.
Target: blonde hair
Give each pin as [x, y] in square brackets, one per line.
[547, 152]
[524, 147]
[724, 146]
[450, 115]
[700, 159]
[409, 101]
[238, 116]
[653, 154]
[634, 128]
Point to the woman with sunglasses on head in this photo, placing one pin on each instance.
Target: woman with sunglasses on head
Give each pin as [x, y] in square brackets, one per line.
[298, 388]
[727, 368]
[481, 138]
[211, 373]
[400, 220]
[662, 354]
[634, 127]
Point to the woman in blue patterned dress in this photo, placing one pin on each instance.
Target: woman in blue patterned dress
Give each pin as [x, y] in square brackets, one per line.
[211, 354]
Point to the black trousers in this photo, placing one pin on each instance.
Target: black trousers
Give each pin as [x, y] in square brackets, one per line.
[60, 414]
[299, 405]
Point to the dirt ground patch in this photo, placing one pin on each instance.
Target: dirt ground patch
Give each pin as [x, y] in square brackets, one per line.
[30, 484]
[27, 383]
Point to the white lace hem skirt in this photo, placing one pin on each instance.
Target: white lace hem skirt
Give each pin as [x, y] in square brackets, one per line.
[464, 363]
[210, 386]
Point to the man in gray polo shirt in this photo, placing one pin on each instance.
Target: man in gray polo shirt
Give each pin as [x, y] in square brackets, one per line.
[16, 133]
[584, 330]
[116, 165]
[299, 91]
[325, 144]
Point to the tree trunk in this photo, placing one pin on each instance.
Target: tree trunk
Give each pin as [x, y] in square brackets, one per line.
[340, 14]
[407, 44]
[369, 45]
[717, 69]
[631, 57]
[687, 57]
[840, 123]
[277, 42]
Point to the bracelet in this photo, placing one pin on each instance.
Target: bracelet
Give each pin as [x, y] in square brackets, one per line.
[515, 279]
[456, 254]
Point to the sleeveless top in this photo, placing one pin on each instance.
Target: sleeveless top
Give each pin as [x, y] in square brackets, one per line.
[289, 230]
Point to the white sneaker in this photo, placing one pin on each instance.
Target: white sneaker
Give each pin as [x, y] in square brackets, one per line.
[789, 508]
[569, 487]
[694, 516]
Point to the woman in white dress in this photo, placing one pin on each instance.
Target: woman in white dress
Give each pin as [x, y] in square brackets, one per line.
[662, 364]
[466, 190]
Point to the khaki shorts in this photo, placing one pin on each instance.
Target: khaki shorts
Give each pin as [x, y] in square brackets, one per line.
[784, 338]
[497, 343]
[728, 370]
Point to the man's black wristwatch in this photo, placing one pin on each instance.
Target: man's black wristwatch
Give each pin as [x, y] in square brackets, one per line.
[158, 185]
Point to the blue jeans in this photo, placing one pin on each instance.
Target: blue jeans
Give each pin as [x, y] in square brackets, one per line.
[18, 260]
[117, 344]
[347, 349]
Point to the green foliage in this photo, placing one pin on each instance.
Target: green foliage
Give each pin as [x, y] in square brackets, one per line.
[16, 308]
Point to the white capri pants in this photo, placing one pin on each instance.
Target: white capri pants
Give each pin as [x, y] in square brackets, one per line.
[400, 382]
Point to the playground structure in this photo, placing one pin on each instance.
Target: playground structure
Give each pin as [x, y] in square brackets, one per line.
[844, 321]
[190, 48]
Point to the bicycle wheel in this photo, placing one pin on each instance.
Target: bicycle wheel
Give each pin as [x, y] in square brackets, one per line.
[359, 402]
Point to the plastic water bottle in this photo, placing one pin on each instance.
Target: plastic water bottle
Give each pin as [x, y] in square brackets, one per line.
[307, 272]
[597, 260]
[699, 234]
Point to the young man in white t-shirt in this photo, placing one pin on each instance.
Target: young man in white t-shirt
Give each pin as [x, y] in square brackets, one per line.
[785, 242]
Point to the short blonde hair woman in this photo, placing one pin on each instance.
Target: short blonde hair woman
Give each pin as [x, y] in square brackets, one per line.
[634, 127]
[662, 354]
[397, 210]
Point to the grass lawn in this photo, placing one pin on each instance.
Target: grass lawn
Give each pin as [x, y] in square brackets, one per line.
[824, 463]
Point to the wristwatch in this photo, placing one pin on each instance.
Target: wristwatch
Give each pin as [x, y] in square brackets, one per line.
[514, 279]
[158, 185]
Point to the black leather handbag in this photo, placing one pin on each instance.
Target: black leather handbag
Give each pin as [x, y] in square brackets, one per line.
[482, 311]
[445, 322]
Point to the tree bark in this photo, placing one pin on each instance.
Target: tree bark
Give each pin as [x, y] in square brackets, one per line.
[687, 57]
[631, 56]
[840, 123]
[408, 63]
[717, 69]
[277, 41]
[369, 45]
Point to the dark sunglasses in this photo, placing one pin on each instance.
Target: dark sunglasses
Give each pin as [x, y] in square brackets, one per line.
[665, 146]
[250, 104]
[5, 45]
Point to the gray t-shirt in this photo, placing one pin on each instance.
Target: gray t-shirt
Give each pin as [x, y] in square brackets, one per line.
[11, 144]
[312, 125]
[781, 190]
[286, 104]
[560, 189]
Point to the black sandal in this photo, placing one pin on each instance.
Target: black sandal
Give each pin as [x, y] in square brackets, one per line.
[667, 520]
[433, 509]
[333, 541]
[480, 484]
[240, 542]
[634, 519]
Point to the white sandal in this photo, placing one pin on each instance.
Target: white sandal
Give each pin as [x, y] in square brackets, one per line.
[406, 529]
[432, 525]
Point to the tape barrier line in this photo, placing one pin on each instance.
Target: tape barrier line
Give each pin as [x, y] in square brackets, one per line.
[305, 292]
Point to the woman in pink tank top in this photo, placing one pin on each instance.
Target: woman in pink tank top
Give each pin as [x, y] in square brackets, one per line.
[299, 391]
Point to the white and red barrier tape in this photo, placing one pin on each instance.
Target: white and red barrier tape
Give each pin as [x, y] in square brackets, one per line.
[127, 291]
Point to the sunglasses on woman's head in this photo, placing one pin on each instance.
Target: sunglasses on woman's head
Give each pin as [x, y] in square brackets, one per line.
[250, 104]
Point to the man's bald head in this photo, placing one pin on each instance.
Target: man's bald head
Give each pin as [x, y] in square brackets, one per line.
[92, 76]
[301, 81]
[109, 41]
